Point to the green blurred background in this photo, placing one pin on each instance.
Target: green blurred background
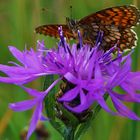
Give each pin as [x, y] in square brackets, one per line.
[18, 19]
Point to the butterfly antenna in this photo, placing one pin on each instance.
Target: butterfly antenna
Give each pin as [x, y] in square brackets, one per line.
[71, 11]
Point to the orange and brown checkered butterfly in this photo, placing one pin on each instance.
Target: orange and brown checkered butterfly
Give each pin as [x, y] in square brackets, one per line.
[116, 24]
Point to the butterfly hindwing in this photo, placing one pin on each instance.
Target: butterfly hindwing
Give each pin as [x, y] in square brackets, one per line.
[125, 38]
[128, 39]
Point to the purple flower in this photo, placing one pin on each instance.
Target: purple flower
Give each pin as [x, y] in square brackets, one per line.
[92, 71]
[31, 67]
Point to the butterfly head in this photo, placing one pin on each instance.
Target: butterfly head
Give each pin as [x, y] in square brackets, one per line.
[73, 25]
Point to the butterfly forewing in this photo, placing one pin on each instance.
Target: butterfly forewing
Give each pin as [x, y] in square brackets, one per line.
[116, 24]
[121, 16]
[52, 30]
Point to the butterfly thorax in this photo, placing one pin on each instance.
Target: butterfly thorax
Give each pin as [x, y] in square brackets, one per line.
[74, 26]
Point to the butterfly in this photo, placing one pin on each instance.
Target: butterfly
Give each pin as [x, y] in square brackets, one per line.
[116, 23]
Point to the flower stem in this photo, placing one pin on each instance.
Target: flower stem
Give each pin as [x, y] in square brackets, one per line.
[69, 135]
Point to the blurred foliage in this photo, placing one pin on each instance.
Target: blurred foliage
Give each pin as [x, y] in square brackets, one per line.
[18, 19]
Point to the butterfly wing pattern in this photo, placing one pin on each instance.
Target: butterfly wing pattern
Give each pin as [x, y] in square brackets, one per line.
[116, 23]
[52, 30]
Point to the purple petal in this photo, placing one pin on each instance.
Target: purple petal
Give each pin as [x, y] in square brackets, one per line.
[19, 75]
[31, 60]
[126, 97]
[69, 76]
[131, 91]
[23, 105]
[119, 77]
[18, 71]
[17, 81]
[17, 54]
[98, 73]
[122, 109]
[40, 47]
[70, 95]
[13, 70]
[83, 105]
[33, 92]
[36, 116]
[91, 67]
[121, 74]
[101, 101]
[133, 79]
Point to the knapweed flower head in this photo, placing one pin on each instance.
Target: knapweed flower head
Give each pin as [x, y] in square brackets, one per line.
[92, 71]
